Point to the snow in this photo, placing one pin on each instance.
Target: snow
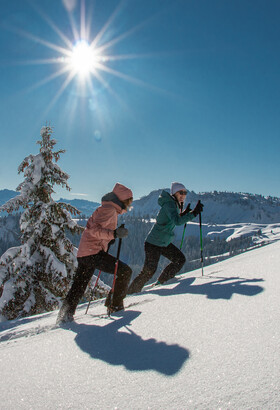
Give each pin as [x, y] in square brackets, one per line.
[261, 233]
[208, 342]
[38, 164]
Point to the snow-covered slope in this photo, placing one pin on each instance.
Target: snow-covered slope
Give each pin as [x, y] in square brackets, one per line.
[198, 342]
[260, 233]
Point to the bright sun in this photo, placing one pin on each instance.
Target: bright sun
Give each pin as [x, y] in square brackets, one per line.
[83, 59]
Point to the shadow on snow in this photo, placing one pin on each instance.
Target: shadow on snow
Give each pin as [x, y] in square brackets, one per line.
[126, 348]
[222, 288]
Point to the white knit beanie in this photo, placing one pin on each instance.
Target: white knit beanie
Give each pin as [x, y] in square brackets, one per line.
[176, 186]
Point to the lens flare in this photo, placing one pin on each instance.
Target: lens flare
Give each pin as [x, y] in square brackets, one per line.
[97, 136]
[83, 58]
[88, 58]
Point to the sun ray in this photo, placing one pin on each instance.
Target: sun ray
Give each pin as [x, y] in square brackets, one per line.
[36, 39]
[122, 36]
[88, 22]
[107, 86]
[52, 25]
[102, 81]
[74, 27]
[130, 79]
[48, 79]
[132, 56]
[83, 21]
[120, 100]
[85, 59]
[101, 33]
[59, 92]
[43, 61]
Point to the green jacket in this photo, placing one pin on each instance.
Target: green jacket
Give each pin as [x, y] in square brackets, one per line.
[168, 217]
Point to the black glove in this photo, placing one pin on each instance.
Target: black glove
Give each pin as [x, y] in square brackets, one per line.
[111, 242]
[198, 208]
[120, 232]
[187, 210]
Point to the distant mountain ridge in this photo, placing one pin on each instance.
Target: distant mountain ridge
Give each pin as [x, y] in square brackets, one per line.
[84, 206]
[6, 195]
[219, 207]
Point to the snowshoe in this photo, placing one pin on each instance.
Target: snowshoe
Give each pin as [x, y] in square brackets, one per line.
[113, 309]
[110, 307]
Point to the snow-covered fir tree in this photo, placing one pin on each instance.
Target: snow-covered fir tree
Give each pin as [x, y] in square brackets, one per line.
[35, 275]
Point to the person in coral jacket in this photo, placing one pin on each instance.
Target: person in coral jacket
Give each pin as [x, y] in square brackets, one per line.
[92, 254]
[159, 239]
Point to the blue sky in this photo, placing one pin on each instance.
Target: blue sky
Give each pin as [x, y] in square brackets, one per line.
[194, 98]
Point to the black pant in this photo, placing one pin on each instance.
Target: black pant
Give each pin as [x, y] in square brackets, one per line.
[86, 266]
[152, 255]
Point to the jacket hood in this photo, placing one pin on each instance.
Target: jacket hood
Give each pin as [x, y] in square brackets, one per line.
[112, 197]
[122, 192]
[164, 198]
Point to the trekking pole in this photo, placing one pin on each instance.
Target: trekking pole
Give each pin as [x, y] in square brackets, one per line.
[184, 228]
[183, 236]
[92, 292]
[201, 247]
[96, 282]
[116, 269]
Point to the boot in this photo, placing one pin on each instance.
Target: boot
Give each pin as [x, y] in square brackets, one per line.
[65, 314]
[137, 285]
[108, 299]
[109, 304]
[112, 309]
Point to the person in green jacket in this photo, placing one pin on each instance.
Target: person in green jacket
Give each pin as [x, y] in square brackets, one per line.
[159, 239]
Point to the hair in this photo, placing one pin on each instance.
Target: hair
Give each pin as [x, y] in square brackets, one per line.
[126, 201]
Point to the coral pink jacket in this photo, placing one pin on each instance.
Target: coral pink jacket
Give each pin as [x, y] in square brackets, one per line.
[102, 223]
[99, 230]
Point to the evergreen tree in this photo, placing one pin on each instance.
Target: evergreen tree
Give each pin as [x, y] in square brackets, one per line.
[35, 275]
